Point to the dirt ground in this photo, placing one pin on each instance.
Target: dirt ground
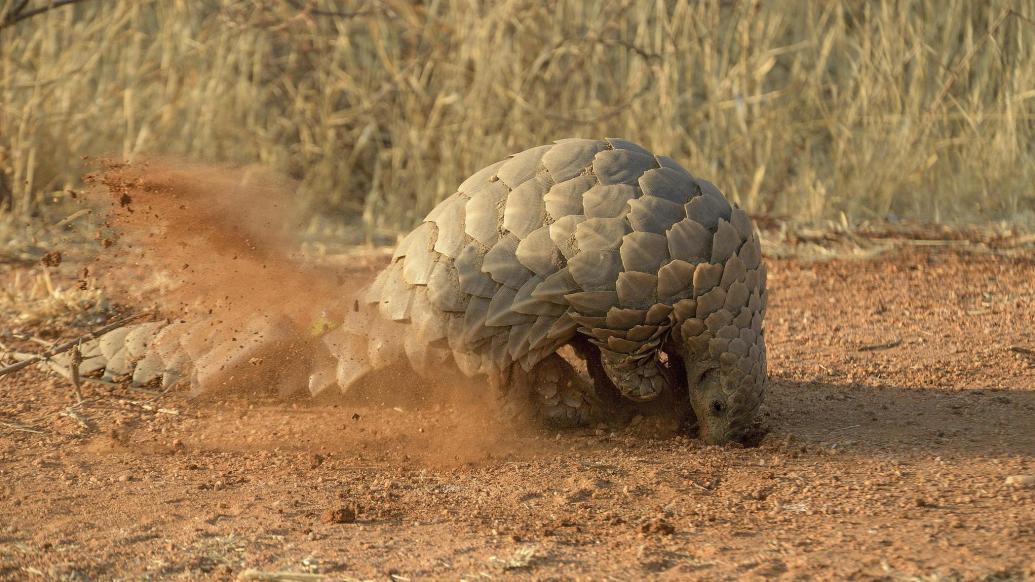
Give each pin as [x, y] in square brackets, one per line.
[902, 417]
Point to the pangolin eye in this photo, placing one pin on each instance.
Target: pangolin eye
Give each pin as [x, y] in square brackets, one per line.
[717, 407]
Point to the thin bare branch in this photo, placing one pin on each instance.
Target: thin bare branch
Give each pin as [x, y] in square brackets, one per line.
[70, 344]
[19, 14]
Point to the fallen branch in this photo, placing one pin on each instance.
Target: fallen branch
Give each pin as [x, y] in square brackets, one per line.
[70, 344]
[21, 428]
[883, 346]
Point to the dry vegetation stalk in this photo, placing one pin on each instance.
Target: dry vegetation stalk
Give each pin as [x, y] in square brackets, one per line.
[64, 347]
[921, 108]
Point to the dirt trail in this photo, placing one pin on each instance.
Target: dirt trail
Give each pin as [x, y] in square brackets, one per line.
[898, 411]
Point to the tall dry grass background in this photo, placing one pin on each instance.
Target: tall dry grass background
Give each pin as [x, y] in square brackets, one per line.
[917, 108]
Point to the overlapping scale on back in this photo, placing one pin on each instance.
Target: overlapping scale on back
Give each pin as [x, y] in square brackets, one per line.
[597, 235]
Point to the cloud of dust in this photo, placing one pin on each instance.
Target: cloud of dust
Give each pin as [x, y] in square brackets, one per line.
[219, 242]
[447, 421]
[222, 237]
[214, 247]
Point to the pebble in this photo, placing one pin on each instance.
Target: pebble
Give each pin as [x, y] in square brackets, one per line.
[1021, 481]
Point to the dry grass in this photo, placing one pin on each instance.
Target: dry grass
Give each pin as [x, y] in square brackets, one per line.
[921, 108]
[44, 295]
[35, 300]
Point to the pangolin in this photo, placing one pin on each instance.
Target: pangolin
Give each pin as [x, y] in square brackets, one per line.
[649, 272]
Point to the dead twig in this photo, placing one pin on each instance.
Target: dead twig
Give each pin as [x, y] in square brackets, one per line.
[311, 10]
[882, 346]
[73, 370]
[80, 420]
[70, 344]
[20, 13]
[289, 576]
[151, 408]
[73, 217]
[1026, 352]
[16, 10]
[926, 242]
[21, 428]
[844, 428]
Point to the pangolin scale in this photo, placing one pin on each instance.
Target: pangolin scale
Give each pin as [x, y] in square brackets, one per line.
[596, 243]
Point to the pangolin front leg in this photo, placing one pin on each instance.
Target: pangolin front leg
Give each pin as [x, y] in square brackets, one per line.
[559, 395]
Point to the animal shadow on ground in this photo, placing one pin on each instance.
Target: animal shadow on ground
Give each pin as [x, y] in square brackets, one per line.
[874, 419]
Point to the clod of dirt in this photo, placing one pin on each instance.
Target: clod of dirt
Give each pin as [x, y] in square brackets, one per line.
[657, 526]
[51, 259]
[1021, 481]
[339, 515]
[823, 516]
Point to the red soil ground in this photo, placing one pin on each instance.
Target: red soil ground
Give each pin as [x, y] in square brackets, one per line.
[901, 408]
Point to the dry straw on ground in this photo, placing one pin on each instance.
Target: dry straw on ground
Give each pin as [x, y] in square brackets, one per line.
[922, 108]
